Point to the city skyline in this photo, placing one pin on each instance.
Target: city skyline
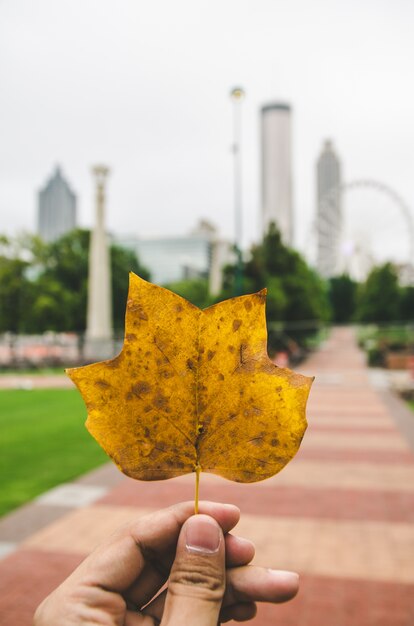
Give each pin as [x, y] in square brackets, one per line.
[149, 96]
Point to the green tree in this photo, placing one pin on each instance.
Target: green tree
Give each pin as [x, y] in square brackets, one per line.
[64, 266]
[15, 287]
[195, 291]
[48, 291]
[123, 261]
[14, 294]
[379, 298]
[407, 304]
[342, 296]
[295, 292]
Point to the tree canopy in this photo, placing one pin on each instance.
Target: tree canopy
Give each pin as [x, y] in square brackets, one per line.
[44, 286]
[294, 291]
[343, 298]
[296, 295]
[379, 298]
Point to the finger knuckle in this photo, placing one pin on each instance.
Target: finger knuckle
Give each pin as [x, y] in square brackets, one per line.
[205, 581]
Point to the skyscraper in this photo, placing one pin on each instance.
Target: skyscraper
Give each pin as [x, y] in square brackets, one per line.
[329, 217]
[56, 208]
[277, 169]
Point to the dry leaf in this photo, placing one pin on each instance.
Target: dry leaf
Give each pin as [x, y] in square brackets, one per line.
[194, 389]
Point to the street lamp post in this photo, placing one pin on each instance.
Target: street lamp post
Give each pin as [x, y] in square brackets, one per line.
[237, 94]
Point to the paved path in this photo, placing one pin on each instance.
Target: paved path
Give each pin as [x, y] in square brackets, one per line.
[341, 513]
[36, 381]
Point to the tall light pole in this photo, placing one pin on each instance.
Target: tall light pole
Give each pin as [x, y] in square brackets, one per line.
[237, 94]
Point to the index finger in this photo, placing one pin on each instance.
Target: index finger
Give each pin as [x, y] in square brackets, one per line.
[116, 564]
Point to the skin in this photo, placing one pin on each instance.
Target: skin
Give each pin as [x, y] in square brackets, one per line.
[209, 577]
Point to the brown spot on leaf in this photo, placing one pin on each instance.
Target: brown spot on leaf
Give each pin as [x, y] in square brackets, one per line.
[160, 401]
[142, 315]
[116, 362]
[131, 337]
[190, 364]
[102, 384]
[166, 373]
[178, 308]
[231, 349]
[142, 386]
[247, 305]
[270, 368]
[274, 442]
[256, 441]
[137, 309]
[145, 447]
[297, 380]
[236, 325]
[220, 377]
[210, 354]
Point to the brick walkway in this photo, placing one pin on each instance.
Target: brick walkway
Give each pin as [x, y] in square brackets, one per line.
[341, 513]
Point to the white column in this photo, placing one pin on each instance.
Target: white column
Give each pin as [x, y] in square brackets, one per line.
[99, 329]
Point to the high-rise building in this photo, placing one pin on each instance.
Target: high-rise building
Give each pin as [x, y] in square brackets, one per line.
[329, 215]
[277, 203]
[56, 208]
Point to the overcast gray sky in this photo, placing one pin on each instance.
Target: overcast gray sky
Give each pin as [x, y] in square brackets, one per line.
[143, 86]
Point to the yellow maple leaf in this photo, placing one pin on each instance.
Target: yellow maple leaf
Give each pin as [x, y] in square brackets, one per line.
[194, 390]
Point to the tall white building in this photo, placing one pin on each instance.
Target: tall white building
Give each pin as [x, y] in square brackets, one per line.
[277, 201]
[329, 214]
[56, 208]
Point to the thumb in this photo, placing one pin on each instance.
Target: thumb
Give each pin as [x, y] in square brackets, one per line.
[197, 580]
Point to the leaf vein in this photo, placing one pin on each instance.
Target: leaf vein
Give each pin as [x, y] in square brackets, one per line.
[174, 425]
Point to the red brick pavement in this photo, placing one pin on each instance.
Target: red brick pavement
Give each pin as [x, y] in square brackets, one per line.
[341, 513]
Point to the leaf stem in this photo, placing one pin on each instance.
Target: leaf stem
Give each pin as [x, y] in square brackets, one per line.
[197, 488]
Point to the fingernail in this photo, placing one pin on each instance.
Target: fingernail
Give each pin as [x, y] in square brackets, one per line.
[284, 575]
[202, 535]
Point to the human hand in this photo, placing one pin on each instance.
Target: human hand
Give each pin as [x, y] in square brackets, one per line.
[209, 579]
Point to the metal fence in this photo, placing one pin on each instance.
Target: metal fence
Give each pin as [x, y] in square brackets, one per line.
[47, 350]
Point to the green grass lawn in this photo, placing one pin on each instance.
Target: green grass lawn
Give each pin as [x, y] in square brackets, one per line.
[43, 442]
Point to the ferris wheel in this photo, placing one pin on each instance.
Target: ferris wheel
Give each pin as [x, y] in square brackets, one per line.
[356, 231]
